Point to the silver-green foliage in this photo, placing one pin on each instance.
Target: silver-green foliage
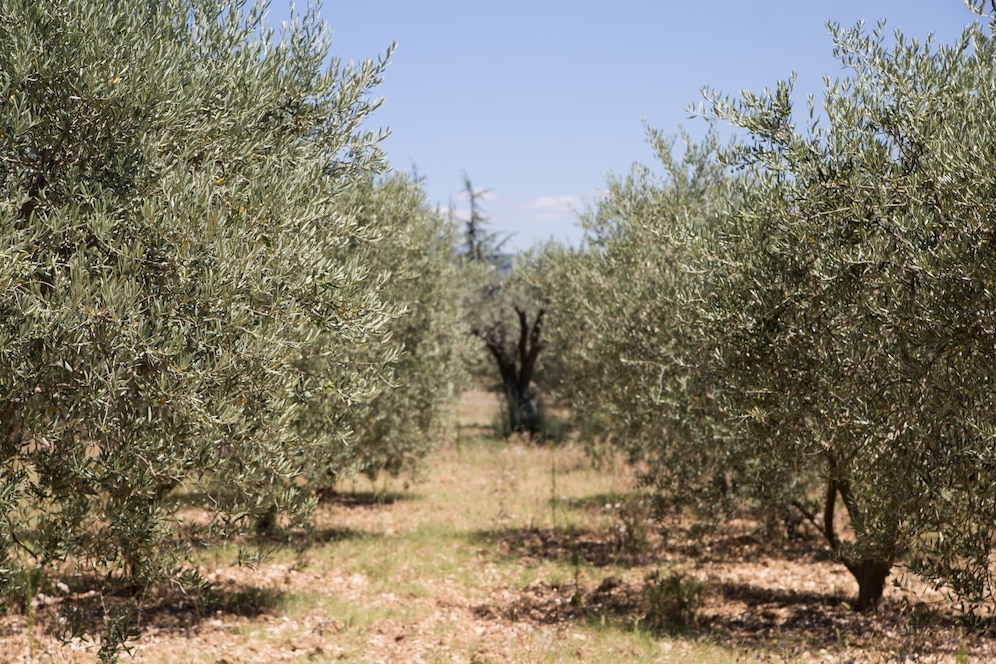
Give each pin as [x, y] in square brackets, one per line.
[171, 243]
[413, 263]
[859, 327]
[828, 338]
[627, 324]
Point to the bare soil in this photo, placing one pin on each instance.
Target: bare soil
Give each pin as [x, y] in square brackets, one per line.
[517, 552]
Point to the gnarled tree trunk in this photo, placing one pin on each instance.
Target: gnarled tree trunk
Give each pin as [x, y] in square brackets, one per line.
[516, 363]
[870, 574]
[869, 568]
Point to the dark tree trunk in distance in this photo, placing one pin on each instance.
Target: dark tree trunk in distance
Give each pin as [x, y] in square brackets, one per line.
[870, 575]
[516, 363]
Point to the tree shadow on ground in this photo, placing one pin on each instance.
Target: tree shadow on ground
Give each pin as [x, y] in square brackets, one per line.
[576, 546]
[351, 499]
[84, 609]
[302, 539]
[758, 617]
[364, 499]
[753, 619]
[548, 604]
[738, 614]
[716, 545]
[600, 502]
[631, 541]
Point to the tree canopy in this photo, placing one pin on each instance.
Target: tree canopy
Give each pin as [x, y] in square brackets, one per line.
[811, 327]
[191, 299]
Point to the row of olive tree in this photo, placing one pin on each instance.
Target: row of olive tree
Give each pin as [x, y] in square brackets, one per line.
[804, 319]
[204, 291]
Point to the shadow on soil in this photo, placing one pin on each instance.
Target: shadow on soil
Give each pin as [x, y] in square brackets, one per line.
[600, 502]
[738, 615]
[363, 499]
[86, 610]
[635, 541]
[783, 623]
[715, 546]
[546, 604]
[276, 535]
[767, 618]
[574, 546]
[302, 539]
[345, 499]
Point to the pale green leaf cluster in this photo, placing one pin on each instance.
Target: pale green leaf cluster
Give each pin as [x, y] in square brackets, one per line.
[628, 322]
[410, 408]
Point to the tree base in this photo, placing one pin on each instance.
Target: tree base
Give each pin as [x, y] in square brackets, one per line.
[871, 576]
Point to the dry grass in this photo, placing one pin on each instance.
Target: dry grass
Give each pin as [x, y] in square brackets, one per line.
[510, 552]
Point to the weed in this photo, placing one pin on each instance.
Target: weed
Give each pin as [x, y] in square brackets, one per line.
[672, 601]
[506, 484]
[962, 656]
[629, 529]
[551, 428]
[577, 600]
[30, 588]
[921, 617]
[20, 589]
[553, 491]
[501, 426]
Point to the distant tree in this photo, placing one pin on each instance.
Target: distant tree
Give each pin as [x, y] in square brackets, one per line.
[505, 312]
[171, 244]
[480, 245]
[515, 351]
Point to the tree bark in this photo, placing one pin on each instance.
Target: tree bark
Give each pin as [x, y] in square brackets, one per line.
[870, 571]
[870, 574]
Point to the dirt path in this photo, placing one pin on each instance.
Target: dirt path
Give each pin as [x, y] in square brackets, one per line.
[509, 552]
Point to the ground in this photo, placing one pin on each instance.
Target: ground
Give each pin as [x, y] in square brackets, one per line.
[516, 552]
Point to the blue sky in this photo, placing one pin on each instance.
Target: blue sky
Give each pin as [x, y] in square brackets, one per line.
[539, 101]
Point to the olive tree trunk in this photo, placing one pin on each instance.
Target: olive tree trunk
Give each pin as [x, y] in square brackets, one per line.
[516, 364]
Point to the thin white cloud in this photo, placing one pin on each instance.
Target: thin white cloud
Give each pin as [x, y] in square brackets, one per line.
[554, 208]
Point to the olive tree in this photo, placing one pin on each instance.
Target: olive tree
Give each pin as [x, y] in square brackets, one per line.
[628, 332]
[407, 250]
[858, 323]
[172, 245]
[825, 341]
